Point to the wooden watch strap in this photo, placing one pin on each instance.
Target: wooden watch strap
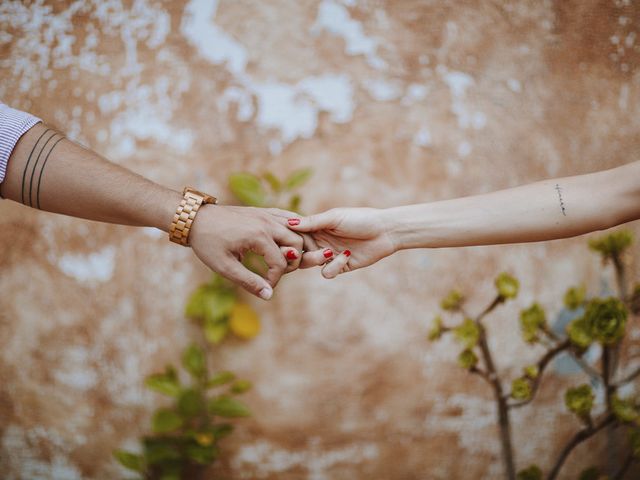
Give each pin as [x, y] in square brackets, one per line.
[185, 215]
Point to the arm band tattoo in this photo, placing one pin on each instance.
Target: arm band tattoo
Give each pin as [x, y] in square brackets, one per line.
[46, 150]
[559, 190]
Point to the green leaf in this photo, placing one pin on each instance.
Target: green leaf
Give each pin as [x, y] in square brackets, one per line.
[579, 400]
[531, 371]
[210, 303]
[221, 378]
[222, 430]
[273, 181]
[507, 286]
[190, 403]
[203, 455]
[215, 331]
[532, 472]
[606, 319]
[468, 333]
[194, 361]
[624, 409]
[591, 473]
[161, 450]
[437, 329]
[612, 244]
[165, 421]
[166, 383]
[521, 389]
[130, 460]
[241, 386]
[467, 359]
[294, 203]
[634, 440]
[579, 333]
[298, 178]
[225, 406]
[453, 301]
[532, 320]
[248, 189]
[575, 297]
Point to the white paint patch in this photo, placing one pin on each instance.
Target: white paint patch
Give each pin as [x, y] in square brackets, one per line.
[415, 93]
[291, 109]
[97, 266]
[514, 85]
[76, 374]
[211, 41]
[266, 459]
[422, 138]
[459, 83]
[383, 90]
[464, 149]
[335, 19]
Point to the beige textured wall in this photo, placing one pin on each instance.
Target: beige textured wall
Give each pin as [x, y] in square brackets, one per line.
[391, 102]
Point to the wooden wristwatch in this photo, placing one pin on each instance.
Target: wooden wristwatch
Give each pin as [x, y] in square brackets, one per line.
[186, 213]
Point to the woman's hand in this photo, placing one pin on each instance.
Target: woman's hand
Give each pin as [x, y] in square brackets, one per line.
[357, 237]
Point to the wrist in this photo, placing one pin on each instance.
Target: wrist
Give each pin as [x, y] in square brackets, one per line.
[169, 201]
[406, 227]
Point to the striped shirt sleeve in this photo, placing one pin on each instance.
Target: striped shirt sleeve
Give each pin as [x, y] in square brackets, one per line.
[13, 124]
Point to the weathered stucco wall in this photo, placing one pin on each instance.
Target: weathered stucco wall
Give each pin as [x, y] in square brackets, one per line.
[391, 102]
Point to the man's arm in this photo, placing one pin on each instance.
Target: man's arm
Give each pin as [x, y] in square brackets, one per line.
[49, 172]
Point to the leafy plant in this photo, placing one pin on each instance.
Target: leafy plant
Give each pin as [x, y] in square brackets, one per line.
[186, 433]
[600, 321]
[268, 190]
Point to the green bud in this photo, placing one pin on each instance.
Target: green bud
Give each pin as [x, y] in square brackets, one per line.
[606, 319]
[574, 297]
[624, 409]
[467, 333]
[437, 329]
[507, 286]
[612, 244]
[532, 472]
[580, 333]
[467, 359]
[532, 320]
[579, 400]
[521, 389]
[453, 301]
[531, 371]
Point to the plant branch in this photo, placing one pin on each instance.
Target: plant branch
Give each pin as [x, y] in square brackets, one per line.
[577, 439]
[542, 364]
[501, 402]
[496, 301]
[628, 378]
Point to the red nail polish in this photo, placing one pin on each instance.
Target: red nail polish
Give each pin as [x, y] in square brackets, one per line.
[292, 255]
[347, 253]
[328, 253]
[294, 221]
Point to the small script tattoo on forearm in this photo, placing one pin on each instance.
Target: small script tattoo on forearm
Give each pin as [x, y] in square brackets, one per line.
[562, 207]
[32, 175]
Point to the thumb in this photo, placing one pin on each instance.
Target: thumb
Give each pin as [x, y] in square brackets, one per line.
[251, 282]
[313, 223]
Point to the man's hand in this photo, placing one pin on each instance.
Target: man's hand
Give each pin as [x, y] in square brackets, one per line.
[221, 235]
[360, 234]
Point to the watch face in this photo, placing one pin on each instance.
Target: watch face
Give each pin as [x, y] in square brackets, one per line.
[206, 198]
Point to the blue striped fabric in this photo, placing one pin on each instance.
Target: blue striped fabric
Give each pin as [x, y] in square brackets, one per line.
[13, 124]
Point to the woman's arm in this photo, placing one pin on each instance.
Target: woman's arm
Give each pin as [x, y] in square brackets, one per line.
[544, 210]
[49, 172]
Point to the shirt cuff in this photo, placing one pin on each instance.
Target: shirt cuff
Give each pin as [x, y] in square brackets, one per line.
[13, 124]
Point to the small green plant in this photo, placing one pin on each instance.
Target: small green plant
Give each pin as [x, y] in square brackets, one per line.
[187, 432]
[599, 321]
[268, 190]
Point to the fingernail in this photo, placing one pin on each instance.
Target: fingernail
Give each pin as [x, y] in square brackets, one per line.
[292, 255]
[294, 221]
[328, 253]
[265, 293]
[347, 253]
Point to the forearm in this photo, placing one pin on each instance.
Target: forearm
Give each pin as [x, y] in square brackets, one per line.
[545, 210]
[57, 175]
